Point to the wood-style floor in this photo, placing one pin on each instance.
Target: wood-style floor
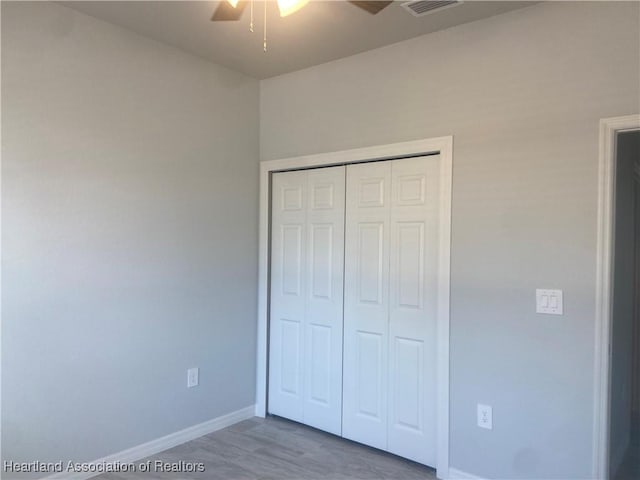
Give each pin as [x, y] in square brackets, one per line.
[274, 448]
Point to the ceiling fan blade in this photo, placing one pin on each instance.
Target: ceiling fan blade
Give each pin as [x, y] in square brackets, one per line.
[225, 12]
[373, 6]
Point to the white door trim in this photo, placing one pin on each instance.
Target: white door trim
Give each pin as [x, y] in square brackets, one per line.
[609, 127]
[441, 145]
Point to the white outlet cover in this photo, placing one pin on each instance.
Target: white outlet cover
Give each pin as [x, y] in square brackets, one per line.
[485, 416]
[549, 301]
[192, 377]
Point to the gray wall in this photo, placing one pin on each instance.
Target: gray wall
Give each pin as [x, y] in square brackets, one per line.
[129, 221]
[627, 151]
[522, 94]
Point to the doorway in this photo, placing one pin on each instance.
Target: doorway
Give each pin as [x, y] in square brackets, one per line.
[443, 146]
[354, 301]
[616, 297]
[624, 444]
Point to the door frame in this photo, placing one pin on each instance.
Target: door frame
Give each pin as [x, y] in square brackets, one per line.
[609, 128]
[440, 145]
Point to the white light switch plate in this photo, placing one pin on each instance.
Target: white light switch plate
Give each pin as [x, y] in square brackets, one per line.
[549, 301]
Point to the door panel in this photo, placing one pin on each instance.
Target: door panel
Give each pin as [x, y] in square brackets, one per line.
[370, 276]
[291, 252]
[409, 278]
[370, 375]
[323, 303]
[287, 314]
[407, 374]
[413, 307]
[290, 333]
[321, 243]
[320, 355]
[307, 255]
[366, 303]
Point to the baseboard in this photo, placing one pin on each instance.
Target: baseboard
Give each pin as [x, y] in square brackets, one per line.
[161, 444]
[455, 474]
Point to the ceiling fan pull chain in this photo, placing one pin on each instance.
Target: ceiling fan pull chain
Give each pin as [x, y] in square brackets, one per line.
[264, 41]
[251, 24]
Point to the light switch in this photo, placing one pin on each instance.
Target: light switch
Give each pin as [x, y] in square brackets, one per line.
[549, 301]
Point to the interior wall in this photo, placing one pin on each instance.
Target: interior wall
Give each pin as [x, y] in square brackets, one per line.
[522, 94]
[129, 236]
[627, 150]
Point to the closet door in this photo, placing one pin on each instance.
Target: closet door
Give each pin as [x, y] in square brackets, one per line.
[366, 314]
[391, 292]
[324, 299]
[307, 255]
[413, 294]
[288, 285]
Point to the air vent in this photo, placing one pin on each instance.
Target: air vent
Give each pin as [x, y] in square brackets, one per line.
[425, 7]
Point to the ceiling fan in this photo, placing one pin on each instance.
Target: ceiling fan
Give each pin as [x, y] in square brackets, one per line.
[231, 10]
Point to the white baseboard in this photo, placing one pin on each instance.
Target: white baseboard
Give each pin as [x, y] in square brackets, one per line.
[161, 444]
[455, 474]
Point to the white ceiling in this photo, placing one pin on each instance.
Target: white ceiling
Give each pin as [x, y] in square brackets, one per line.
[322, 31]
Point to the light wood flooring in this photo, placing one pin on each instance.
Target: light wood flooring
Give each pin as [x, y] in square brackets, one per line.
[275, 448]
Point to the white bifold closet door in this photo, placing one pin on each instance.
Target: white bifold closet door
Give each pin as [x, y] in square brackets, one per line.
[390, 306]
[306, 319]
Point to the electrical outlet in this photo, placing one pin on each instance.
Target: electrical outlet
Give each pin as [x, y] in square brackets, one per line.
[485, 416]
[192, 377]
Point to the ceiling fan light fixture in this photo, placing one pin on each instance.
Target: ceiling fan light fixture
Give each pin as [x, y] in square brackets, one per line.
[287, 7]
